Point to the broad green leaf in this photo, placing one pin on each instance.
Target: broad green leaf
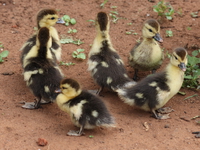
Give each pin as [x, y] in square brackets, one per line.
[66, 18]
[81, 55]
[73, 21]
[66, 40]
[91, 20]
[169, 17]
[67, 23]
[74, 30]
[188, 77]
[4, 53]
[80, 50]
[1, 59]
[195, 53]
[75, 52]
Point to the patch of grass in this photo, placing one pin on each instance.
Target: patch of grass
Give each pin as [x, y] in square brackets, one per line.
[67, 64]
[72, 31]
[191, 96]
[68, 20]
[194, 14]
[91, 136]
[1, 45]
[131, 32]
[91, 20]
[3, 54]
[189, 28]
[180, 12]
[113, 7]
[113, 15]
[192, 73]
[79, 54]
[169, 33]
[129, 24]
[103, 4]
[164, 9]
[68, 40]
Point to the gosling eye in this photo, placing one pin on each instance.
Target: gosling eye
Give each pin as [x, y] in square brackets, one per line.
[175, 57]
[150, 30]
[52, 18]
[64, 88]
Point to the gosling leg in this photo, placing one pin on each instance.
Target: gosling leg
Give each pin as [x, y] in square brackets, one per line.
[76, 133]
[135, 76]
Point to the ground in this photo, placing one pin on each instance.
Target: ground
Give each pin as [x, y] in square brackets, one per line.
[21, 128]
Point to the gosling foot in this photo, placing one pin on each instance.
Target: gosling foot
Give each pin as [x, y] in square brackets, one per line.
[160, 115]
[164, 110]
[28, 105]
[197, 134]
[75, 133]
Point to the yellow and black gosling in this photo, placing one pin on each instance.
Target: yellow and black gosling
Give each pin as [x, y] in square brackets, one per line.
[41, 73]
[104, 63]
[147, 55]
[86, 110]
[154, 91]
[45, 18]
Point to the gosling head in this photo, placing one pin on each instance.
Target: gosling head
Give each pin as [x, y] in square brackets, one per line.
[69, 88]
[179, 58]
[151, 29]
[47, 18]
[102, 21]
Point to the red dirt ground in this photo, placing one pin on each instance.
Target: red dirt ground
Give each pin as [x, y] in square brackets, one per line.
[21, 128]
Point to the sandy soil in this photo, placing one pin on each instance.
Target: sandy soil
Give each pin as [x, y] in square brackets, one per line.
[21, 128]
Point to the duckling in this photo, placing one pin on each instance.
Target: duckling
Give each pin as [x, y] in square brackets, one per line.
[86, 110]
[45, 18]
[104, 63]
[147, 55]
[41, 73]
[154, 91]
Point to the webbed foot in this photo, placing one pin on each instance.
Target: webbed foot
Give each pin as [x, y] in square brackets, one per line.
[28, 105]
[197, 134]
[163, 116]
[75, 133]
[164, 110]
[160, 115]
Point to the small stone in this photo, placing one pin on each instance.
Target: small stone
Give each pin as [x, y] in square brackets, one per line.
[166, 126]
[42, 142]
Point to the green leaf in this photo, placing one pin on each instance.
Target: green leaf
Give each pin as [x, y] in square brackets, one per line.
[197, 73]
[91, 136]
[169, 17]
[1, 59]
[81, 55]
[67, 23]
[75, 53]
[91, 20]
[66, 40]
[188, 77]
[192, 60]
[4, 53]
[73, 21]
[66, 18]
[114, 12]
[195, 53]
[74, 31]
[80, 50]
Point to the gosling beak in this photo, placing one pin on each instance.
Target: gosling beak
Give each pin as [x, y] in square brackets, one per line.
[58, 91]
[60, 21]
[158, 38]
[182, 66]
